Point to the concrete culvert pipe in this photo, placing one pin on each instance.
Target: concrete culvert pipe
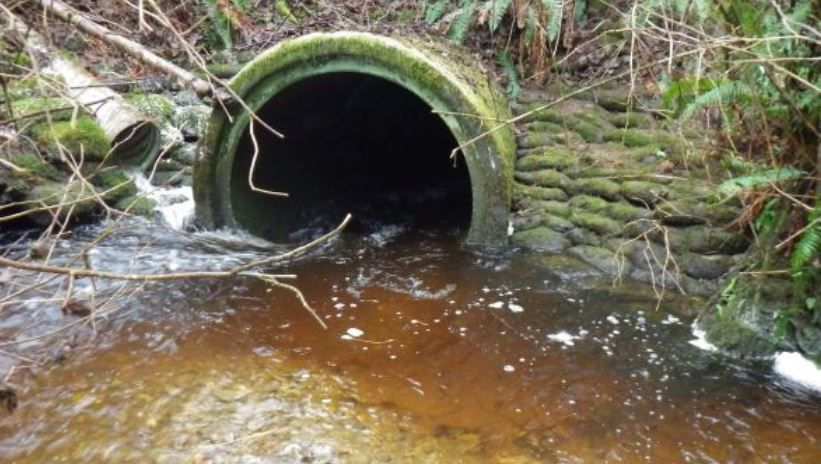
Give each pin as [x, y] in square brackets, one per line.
[367, 119]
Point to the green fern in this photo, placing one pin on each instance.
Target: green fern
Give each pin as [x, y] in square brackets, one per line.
[460, 27]
[555, 11]
[506, 63]
[723, 94]
[435, 11]
[758, 179]
[809, 245]
[498, 9]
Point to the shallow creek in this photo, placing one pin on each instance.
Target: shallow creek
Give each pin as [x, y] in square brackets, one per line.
[433, 353]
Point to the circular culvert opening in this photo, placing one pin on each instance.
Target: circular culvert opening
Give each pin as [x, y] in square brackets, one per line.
[353, 143]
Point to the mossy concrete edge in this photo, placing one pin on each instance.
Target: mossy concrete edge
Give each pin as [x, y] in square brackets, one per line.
[439, 74]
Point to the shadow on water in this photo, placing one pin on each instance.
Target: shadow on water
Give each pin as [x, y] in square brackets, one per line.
[434, 353]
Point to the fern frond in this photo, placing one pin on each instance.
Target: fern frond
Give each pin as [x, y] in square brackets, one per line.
[509, 69]
[809, 245]
[460, 27]
[758, 179]
[724, 93]
[555, 11]
[435, 11]
[498, 9]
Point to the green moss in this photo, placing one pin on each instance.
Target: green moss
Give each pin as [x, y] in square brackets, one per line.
[523, 192]
[629, 120]
[555, 207]
[36, 105]
[550, 158]
[540, 238]
[140, 206]
[595, 222]
[36, 165]
[631, 138]
[645, 192]
[626, 212]
[544, 178]
[597, 186]
[109, 179]
[82, 135]
[732, 334]
[588, 203]
[157, 107]
[556, 223]
[53, 194]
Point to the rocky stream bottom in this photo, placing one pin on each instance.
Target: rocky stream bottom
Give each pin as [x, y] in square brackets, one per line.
[433, 353]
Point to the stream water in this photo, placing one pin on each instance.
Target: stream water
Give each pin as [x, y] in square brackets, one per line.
[433, 353]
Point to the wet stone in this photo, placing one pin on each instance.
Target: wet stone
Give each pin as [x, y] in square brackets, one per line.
[525, 222]
[602, 259]
[704, 240]
[705, 267]
[582, 236]
[557, 223]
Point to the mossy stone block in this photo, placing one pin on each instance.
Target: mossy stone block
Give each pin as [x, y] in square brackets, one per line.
[58, 108]
[704, 267]
[558, 158]
[541, 238]
[82, 135]
[625, 212]
[544, 178]
[602, 259]
[705, 240]
[557, 223]
[523, 192]
[56, 195]
[597, 223]
[630, 120]
[582, 236]
[588, 203]
[644, 192]
[604, 188]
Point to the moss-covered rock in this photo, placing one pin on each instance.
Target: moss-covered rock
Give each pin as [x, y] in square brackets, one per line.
[540, 238]
[81, 135]
[557, 223]
[523, 193]
[588, 203]
[704, 240]
[192, 120]
[630, 120]
[643, 192]
[557, 158]
[602, 259]
[525, 221]
[604, 188]
[158, 107]
[596, 222]
[544, 178]
[704, 267]
[738, 336]
[582, 236]
[625, 212]
[140, 206]
[35, 165]
[116, 183]
[694, 211]
[56, 198]
[58, 108]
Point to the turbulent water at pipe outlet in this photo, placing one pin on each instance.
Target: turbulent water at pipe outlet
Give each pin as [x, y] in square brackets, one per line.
[433, 353]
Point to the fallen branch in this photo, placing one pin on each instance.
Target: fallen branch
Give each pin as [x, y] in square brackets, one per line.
[71, 16]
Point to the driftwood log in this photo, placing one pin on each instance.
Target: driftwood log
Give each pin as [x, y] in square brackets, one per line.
[133, 135]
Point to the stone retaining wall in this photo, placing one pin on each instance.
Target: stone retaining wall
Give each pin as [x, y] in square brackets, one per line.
[610, 184]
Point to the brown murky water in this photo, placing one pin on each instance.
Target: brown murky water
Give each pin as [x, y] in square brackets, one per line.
[433, 354]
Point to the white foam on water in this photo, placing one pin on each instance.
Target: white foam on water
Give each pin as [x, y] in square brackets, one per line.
[175, 204]
[355, 332]
[564, 337]
[701, 340]
[496, 305]
[795, 367]
[514, 308]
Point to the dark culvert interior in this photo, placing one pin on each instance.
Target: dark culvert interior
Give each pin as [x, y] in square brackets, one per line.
[353, 143]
